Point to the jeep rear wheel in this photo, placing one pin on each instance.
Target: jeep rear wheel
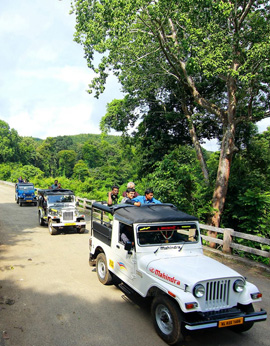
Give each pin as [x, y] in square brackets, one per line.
[104, 275]
[167, 318]
[52, 230]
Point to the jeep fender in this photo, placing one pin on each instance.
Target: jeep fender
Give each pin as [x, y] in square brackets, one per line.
[182, 297]
[245, 296]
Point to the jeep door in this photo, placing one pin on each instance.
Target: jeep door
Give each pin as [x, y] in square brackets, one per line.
[125, 261]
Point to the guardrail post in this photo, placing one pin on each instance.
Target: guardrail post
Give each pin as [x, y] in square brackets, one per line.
[227, 240]
[84, 203]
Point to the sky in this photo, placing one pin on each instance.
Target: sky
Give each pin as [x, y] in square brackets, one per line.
[44, 76]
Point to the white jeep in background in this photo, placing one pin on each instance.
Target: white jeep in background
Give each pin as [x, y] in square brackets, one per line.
[57, 208]
[160, 257]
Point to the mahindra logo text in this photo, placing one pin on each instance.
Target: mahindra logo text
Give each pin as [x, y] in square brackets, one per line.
[165, 276]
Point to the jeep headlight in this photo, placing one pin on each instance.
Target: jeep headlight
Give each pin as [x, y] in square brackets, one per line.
[239, 285]
[199, 291]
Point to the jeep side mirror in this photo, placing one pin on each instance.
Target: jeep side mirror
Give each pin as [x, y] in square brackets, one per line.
[128, 247]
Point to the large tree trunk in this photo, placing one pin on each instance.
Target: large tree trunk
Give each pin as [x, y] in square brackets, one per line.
[223, 174]
[225, 158]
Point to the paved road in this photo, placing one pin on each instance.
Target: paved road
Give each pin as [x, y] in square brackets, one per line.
[50, 296]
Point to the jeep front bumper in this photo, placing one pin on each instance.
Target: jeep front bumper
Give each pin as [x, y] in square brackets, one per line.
[68, 224]
[229, 321]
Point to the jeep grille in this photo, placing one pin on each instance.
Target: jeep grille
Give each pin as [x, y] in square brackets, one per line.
[68, 215]
[217, 294]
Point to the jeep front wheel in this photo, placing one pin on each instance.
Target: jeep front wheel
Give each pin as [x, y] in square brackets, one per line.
[52, 230]
[167, 318]
[103, 273]
[40, 219]
[81, 230]
[244, 327]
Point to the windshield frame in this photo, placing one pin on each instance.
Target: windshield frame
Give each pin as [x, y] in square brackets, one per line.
[172, 233]
[61, 199]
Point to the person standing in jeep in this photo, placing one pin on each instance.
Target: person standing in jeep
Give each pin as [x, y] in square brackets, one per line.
[113, 195]
[147, 198]
[55, 185]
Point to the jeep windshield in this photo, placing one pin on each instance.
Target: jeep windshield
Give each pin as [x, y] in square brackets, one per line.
[54, 199]
[169, 233]
[26, 187]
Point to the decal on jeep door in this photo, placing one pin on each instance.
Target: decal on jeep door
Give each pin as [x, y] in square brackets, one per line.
[164, 276]
[121, 265]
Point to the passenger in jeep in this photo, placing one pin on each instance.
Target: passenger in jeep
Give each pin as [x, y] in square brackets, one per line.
[113, 195]
[126, 234]
[128, 199]
[147, 198]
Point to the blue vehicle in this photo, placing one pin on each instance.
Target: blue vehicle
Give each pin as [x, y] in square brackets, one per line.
[25, 193]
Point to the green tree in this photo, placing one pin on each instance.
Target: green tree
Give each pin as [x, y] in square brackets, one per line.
[188, 40]
[92, 154]
[67, 160]
[28, 151]
[81, 170]
[47, 157]
[9, 141]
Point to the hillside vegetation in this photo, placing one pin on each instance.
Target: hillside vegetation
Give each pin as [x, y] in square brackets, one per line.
[91, 164]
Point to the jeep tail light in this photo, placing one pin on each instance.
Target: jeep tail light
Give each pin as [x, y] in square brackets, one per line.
[256, 295]
[192, 305]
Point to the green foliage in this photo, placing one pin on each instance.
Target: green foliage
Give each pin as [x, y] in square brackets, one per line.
[177, 179]
[28, 172]
[81, 171]
[9, 142]
[28, 151]
[66, 162]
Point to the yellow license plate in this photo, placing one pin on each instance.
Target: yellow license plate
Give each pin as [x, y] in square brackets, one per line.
[70, 224]
[231, 322]
[28, 200]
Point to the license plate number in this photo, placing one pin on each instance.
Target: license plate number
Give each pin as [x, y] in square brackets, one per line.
[28, 200]
[70, 224]
[231, 322]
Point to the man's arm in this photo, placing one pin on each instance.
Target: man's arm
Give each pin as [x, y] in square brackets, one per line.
[110, 202]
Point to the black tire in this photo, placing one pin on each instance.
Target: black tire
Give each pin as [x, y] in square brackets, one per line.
[40, 219]
[52, 230]
[167, 318]
[81, 230]
[17, 200]
[20, 204]
[244, 327]
[104, 275]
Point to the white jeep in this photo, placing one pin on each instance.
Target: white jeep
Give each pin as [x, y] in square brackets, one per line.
[160, 256]
[57, 208]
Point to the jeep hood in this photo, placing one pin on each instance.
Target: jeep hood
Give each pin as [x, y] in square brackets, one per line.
[189, 270]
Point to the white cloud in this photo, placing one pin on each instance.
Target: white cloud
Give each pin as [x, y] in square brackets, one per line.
[55, 121]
